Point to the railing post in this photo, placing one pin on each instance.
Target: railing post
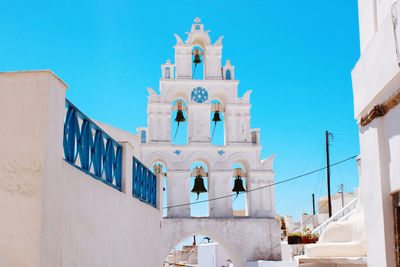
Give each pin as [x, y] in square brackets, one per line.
[126, 179]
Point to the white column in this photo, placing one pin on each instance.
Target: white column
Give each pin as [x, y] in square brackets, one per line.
[159, 122]
[183, 61]
[262, 201]
[376, 195]
[178, 193]
[199, 122]
[220, 184]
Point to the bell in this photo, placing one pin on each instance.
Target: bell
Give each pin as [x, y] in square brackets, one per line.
[238, 186]
[179, 116]
[197, 59]
[199, 186]
[216, 117]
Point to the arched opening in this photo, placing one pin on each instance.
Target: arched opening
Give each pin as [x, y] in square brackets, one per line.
[159, 168]
[199, 189]
[197, 66]
[228, 74]
[179, 122]
[239, 183]
[202, 250]
[167, 73]
[217, 123]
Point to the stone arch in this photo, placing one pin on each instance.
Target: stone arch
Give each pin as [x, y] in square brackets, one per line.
[201, 39]
[239, 157]
[201, 156]
[162, 157]
[220, 96]
[175, 234]
[180, 94]
[175, 92]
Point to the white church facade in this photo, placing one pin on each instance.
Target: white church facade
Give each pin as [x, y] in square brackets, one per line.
[241, 146]
[77, 192]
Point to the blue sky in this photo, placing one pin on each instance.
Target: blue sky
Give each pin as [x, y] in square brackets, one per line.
[296, 56]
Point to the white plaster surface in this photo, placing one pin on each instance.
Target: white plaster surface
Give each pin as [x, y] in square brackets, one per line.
[375, 78]
[52, 213]
[212, 255]
[26, 108]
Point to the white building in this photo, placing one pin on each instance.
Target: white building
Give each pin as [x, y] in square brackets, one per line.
[376, 85]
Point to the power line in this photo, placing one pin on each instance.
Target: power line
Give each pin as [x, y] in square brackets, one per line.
[262, 187]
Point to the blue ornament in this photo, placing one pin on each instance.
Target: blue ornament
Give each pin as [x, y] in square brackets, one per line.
[199, 95]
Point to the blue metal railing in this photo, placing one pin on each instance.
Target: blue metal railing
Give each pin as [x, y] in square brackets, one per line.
[144, 183]
[83, 139]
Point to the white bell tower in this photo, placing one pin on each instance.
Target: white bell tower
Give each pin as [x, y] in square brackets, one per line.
[254, 236]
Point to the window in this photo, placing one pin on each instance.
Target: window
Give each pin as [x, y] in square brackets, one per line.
[167, 73]
[143, 137]
[228, 75]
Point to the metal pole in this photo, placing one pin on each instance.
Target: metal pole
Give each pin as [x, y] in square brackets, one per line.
[313, 205]
[341, 189]
[328, 173]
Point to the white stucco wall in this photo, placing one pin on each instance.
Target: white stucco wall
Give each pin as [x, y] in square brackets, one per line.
[52, 214]
[376, 77]
[26, 107]
[212, 255]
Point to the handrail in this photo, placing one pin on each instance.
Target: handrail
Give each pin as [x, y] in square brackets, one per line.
[85, 140]
[342, 214]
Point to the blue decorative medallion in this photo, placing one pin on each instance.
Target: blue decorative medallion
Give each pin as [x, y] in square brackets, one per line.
[199, 95]
[221, 152]
[177, 152]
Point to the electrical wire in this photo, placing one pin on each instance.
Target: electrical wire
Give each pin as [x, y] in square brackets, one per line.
[262, 187]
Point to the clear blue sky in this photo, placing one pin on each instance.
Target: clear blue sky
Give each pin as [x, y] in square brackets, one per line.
[296, 56]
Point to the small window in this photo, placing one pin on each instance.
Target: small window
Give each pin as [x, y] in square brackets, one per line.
[197, 27]
[228, 75]
[167, 73]
[143, 137]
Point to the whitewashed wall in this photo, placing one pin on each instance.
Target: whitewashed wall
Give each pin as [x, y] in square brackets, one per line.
[376, 77]
[52, 214]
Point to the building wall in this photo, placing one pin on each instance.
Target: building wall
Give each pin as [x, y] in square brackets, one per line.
[26, 103]
[53, 214]
[376, 77]
[212, 255]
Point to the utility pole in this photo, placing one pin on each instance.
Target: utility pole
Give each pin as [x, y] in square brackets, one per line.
[341, 190]
[328, 173]
[313, 205]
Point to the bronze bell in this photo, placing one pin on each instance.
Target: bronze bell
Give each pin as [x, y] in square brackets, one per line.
[179, 116]
[199, 186]
[197, 59]
[238, 186]
[216, 117]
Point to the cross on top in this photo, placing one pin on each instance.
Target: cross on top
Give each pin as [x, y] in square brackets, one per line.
[197, 20]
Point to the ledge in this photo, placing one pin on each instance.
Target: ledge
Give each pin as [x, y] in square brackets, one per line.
[335, 260]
